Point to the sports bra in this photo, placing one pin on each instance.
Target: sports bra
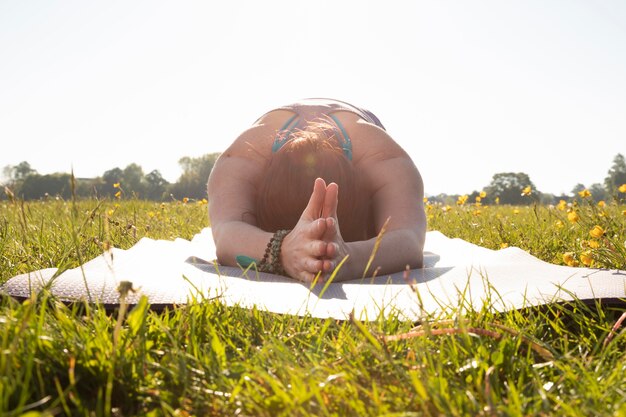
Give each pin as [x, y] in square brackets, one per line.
[311, 109]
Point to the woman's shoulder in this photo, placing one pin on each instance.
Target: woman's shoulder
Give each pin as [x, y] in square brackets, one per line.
[256, 141]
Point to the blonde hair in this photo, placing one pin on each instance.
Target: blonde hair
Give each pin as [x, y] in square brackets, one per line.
[288, 183]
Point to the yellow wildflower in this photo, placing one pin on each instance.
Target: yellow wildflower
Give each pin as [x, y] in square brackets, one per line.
[515, 211]
[116, 185]
[118, 194]
[151, 214]
[527, 191]
[559, 224]
[596, 232]
[425, 199]
[476, 212]
[110, 212]
[483, 194]
[622, 188]
[584, 193]
[572, 216]
[594, 244]
[562, 205]
[504, 245]
[185, 200]
[462, 199]
[568, 259]
[586, 258]
[204, 201]
[162, 206]
[623, 212]
[446, 209]
[497, 200]
[601, 204]
[478, 198]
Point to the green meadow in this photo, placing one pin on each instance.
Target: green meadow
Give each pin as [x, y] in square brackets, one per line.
[210, 360]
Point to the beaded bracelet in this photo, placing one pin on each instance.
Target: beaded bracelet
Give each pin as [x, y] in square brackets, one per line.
[271, 259]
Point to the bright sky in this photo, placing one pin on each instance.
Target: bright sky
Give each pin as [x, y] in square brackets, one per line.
[468, 88]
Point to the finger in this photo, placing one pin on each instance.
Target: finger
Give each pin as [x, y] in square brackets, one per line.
[329, 266]
[331, 200]
[316, 202]
[331, 225]
[317, 248]
[309, 277]
[309, 264]
[314, 229]
[306, 277]
[314, 265]
[331, 229]
[331, 250]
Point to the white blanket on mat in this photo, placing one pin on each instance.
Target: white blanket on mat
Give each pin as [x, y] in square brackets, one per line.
[456, 273]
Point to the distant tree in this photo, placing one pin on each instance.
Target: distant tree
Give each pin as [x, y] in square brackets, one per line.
[89, 187]
[192, 182]
[110, 178]
[598, 192]
[132, 180]
[155, 185]
[558, 198]
[616, 175]
[36, 186]
[471, 198]
[508, 187]
[6, 173]
[547, 198]
[443, 199]
[578, 188]
[18, 172]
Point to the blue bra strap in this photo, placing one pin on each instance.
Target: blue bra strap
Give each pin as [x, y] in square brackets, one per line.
[346, 144]
[280, 141]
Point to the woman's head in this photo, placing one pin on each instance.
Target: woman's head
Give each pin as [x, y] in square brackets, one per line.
[286, 188]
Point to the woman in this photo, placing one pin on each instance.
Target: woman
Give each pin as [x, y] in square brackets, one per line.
[313, 184]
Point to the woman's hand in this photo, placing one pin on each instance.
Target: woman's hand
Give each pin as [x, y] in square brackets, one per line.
[315, 245]
[304, 248]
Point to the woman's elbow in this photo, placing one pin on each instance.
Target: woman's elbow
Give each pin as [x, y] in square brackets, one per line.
[223, 255]
[409, 248]
[415, 241]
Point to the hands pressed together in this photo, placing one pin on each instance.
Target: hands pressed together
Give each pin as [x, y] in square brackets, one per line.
[315, 244]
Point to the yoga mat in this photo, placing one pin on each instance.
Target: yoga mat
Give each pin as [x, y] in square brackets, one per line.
[456, 273]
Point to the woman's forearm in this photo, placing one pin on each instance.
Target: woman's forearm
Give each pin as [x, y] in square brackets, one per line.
[236, 238]
[397, 250]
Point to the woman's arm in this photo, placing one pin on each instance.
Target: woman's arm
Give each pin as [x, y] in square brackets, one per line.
[398, 206]
[401, 242]
[231, 191]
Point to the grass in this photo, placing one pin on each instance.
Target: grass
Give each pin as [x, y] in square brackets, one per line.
[207, 359]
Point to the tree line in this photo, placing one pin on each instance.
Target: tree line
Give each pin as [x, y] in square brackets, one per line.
[505, 188]
[516, 188]
[26, 183]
